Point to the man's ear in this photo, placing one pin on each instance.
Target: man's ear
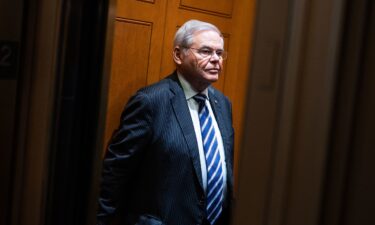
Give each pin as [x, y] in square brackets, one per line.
[177, 53]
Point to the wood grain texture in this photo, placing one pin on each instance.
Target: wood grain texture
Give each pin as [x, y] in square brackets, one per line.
[130, 57]
[221, 8]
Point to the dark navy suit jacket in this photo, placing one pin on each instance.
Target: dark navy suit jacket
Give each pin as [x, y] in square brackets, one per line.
[151, 171]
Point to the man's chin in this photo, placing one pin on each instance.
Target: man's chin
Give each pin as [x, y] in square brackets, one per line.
[213, 77]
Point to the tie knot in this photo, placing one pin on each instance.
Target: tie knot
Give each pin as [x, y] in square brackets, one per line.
[200, 98]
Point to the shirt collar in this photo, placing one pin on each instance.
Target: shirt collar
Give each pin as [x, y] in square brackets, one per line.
[188, 89]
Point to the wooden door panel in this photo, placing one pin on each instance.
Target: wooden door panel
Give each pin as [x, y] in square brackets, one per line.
[129, 66]
[142, 10]
[153, 12]
[216, 7]
[148, 1]
[136, 51]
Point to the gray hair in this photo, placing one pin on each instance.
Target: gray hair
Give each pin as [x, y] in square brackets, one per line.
[184, 35]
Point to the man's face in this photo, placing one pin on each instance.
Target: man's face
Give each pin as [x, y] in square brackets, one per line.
[198, 66]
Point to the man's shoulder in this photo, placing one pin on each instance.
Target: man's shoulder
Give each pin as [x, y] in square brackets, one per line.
[213, 92]
[160, 88]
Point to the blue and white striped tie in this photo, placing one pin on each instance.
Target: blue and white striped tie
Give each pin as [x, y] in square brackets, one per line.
[213, 161]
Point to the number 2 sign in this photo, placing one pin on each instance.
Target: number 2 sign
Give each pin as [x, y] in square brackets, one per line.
[8, 59]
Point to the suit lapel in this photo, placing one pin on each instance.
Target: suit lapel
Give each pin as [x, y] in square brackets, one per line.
[183, 116]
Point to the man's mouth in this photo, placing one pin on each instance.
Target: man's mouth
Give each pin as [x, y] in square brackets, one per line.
[213, 70]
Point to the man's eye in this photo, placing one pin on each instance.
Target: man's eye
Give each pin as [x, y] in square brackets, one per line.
[219, 53]
[205, 52]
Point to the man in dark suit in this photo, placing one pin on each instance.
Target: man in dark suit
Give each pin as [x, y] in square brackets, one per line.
[170, 161]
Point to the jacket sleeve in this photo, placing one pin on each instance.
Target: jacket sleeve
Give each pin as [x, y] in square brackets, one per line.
[123, 154]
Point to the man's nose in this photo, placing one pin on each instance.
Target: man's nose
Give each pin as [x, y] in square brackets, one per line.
[214, 57]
